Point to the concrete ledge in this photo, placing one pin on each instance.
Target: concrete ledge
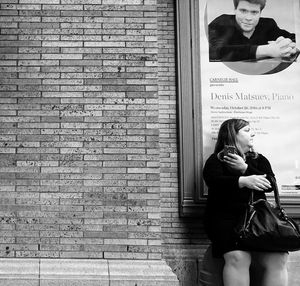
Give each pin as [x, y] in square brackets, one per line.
[141, 273]
[85, 272]
[18, 272]
[69, 272]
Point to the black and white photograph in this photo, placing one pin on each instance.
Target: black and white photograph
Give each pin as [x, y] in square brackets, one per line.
[260, 32]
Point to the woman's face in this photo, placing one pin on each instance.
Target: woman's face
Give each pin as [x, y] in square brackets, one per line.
[244, 138]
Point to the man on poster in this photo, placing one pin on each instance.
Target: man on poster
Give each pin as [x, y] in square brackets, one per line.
[248, 36]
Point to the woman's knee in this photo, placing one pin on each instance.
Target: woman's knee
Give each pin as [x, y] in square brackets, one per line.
[238, 258]
[273, 260]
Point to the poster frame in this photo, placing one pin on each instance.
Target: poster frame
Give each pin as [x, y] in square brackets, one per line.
[192, 194]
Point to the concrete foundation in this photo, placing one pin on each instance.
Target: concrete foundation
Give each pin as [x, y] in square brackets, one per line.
[85, 272]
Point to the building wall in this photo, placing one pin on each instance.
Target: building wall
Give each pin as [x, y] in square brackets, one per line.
[184, 240]
[88, 137]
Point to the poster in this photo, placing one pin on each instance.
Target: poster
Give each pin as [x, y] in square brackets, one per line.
[266, 92]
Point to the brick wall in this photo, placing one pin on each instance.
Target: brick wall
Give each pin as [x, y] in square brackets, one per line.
[88, 135]
[184, 240]
[79, 129]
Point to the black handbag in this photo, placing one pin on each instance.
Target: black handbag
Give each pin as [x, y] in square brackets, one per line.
[267, 227]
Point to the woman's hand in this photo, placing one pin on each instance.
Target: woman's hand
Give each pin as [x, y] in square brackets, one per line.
[236, 163]
[255, 182]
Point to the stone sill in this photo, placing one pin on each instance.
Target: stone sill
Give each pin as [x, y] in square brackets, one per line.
[87, 272]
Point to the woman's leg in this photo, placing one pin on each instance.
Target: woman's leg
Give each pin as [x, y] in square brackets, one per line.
[236, 268]
[274, 268]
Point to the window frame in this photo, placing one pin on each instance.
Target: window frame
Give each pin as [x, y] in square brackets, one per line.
[188, 61]
[192, 196]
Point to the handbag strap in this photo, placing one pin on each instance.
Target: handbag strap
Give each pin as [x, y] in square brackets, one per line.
[275, 191]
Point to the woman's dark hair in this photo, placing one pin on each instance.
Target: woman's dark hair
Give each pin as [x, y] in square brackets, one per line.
[227, 135]
[262, 3]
